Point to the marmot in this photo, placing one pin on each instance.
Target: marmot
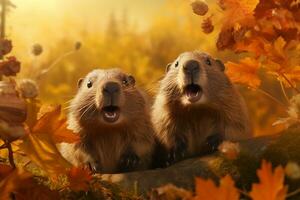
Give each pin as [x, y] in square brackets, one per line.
[196, 108]
[112, 117]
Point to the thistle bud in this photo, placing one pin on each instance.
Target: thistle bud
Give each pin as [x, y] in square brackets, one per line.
[28, 88]
[199, 7]
[37, 49]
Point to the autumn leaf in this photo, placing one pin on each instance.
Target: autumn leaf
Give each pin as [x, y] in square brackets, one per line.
[238, 12]
[40, 142]
[254, 45]
[244, 72]
[41, 149]
[271, 183]
[5, 170]
[22, 186]
[206, 189]
[33, 106]
[79, 178]
[52, 124]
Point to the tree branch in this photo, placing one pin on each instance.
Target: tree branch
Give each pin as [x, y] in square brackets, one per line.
[10, 155]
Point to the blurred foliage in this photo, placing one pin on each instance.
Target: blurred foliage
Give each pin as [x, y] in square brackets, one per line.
[143, 53]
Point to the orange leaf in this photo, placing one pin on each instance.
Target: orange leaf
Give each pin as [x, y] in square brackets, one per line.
[41, 149]
[206, 189]
[51, 123]
[244, 72]
[5, 170]
[271, 184]
[79, 178]
[21, 184]
[238, 12]
[253, 45]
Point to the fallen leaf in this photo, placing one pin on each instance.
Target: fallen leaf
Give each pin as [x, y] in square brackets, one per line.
[206, 189]
[5, 170]
[21, 185]
[41, 149]
[79, 178]
[271, 183]
[244, 72]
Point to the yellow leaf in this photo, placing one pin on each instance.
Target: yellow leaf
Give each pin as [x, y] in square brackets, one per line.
[271, 183]
[41, 149]
[206, 189]
[33, 107]
[244, 72]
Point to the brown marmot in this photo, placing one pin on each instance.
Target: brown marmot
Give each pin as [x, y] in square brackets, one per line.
[112, 117]
[196, 108]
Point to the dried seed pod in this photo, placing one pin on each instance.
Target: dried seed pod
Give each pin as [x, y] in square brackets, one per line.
[10, 67]
[5, 46]
[207, 26]
[12, 106]
[77, 45]
[37, 49]
[199, 7]
[28, 88]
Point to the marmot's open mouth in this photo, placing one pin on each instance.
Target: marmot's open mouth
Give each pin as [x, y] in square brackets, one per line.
[111, 113]
[193, 92]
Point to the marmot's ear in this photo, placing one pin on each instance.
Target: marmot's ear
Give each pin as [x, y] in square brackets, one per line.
[168, 67]
[79, 82]
[220, 65]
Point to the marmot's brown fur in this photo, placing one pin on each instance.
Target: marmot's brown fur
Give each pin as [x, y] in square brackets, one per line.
[113, 119]
[197, 107]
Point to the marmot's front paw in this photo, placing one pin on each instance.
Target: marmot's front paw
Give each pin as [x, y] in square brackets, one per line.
[178, 152]
[214, 141]
[128, 162]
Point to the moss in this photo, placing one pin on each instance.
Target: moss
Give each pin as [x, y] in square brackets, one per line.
[246, 166]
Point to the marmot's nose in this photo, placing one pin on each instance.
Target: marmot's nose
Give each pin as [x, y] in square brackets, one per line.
[111, 87]
[191, 66]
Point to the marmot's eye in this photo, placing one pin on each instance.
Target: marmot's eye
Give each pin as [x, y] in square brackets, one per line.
[89, 84]
[208, 62]
[125, 81]
[176, 64]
